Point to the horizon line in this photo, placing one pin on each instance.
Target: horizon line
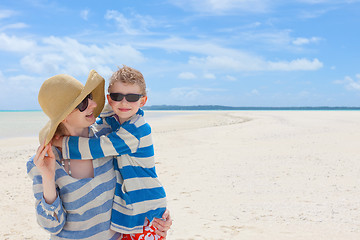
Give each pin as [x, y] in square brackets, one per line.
[209, 107]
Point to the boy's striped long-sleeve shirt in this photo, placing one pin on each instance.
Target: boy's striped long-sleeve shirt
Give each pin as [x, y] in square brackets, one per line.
[138, 193]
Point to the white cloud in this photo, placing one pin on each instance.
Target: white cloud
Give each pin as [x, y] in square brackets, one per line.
[309, 14]
[226, 63]
[350, 83]
[251, 63]
[17, 82]
[54, 55]
[254, 92]
[323, 1]
[279, 38]
[301, 64]
[212, 89]
[133, 25]
[230, 78]
[303, 41]
[15, 44]
[326, 6]
[22, 80]
[221, 58]
[122, 22]
[42, 63]
[6, 13]
[14, 26]
[185, 93]
[313, 1]
[328, 2]
[275, 39]
[209, 76]
[218, 7]
[2, 79]
[84, 14]
[175, 44]
[188, 94]
[186, 75]
[144, 21]
[22, 85]
[304, 94]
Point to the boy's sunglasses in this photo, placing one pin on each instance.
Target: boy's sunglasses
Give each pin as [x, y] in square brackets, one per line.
[85, 103]
[131, 97]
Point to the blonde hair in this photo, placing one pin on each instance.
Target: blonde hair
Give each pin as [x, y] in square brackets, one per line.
[128, 75]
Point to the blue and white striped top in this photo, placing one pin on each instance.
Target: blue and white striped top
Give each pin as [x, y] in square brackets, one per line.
[82, 209]
[138, 194]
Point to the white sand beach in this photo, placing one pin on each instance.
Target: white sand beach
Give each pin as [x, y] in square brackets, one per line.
[232, 175]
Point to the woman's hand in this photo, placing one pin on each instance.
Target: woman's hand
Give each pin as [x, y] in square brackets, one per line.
[163, 225]
[45, 161]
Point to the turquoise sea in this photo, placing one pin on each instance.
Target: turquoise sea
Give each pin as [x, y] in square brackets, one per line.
[21, 123]
[29, 123]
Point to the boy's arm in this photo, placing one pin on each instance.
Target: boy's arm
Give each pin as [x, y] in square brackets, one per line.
[123, 141]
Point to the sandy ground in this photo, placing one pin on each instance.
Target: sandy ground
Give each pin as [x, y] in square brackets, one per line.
[232, 175]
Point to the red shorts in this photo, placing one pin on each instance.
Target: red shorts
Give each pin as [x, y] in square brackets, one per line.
[147, 234]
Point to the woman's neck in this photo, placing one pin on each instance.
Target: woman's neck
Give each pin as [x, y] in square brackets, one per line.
[84, 132]
[78, 132]
[75, 168]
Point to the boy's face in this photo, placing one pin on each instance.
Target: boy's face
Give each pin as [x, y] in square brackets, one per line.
[124, 109]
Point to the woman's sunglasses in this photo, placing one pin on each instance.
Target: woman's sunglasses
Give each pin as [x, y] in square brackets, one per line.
[85, 103]
[131, 97]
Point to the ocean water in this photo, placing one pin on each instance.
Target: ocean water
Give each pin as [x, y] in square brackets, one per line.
[21, 123]
[29, 123]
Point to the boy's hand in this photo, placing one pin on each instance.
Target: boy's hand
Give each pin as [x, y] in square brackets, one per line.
[163, 225]
[57, 141]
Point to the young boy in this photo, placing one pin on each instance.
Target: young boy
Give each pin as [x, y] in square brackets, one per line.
[122, 131]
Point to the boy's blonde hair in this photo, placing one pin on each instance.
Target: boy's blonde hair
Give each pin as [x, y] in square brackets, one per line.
[128, 75]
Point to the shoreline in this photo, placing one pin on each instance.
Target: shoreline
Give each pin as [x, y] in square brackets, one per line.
[223, 108]
[13, 122]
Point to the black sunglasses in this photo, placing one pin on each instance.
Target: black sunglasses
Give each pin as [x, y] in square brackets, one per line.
[84, 103]
[131, 97]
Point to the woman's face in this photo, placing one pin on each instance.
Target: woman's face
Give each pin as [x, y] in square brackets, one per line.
[77, 120]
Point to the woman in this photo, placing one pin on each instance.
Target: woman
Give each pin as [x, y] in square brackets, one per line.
[74, 198]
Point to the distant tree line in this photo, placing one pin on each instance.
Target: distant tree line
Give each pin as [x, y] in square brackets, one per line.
[219, 107]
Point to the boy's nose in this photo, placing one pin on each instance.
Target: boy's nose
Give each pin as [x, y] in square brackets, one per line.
[124, 100]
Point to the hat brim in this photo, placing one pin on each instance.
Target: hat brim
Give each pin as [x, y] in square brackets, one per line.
[95, 84]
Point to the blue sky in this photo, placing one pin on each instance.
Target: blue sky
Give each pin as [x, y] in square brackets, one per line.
[191, 52]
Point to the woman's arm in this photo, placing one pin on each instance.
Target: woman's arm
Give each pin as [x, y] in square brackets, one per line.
[49, 210]
[45, 162]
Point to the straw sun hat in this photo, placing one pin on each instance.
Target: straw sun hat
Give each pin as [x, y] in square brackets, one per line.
[60, 95]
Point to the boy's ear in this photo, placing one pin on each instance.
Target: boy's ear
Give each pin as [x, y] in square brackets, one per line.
[143, 101]
[108, 97]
